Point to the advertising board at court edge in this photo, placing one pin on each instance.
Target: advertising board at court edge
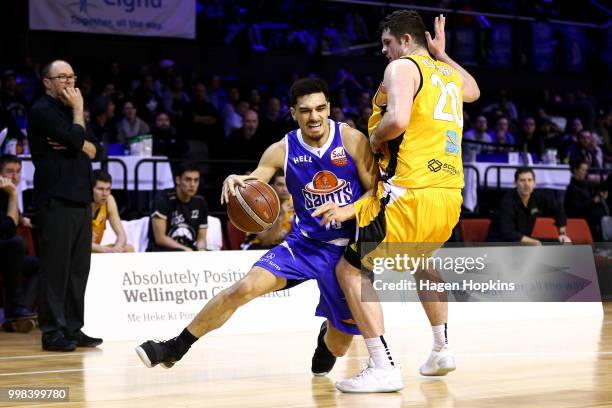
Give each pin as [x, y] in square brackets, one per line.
[159, 18]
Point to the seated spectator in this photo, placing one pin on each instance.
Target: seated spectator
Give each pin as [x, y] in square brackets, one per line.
[248, 142]
[255, 99]
[517, 212]
[603, 127]
[101, 124]
[273, 123]
[363, 118]
[166, 141]
[216, 94]
[582, 200]
[19, 271]
[232, 115]
[179, 219]
[504, 105]
[550, 134]
[479, 134]
[570, 139]
[204, 128]
[501, 135]
[104, 207]
[131, 125]
[176, 99]
[147, 100]
[13, 101]
[531, 140]
[581, 151]
[337, 115]
[10, 168]
[596, 151]
[282, 226]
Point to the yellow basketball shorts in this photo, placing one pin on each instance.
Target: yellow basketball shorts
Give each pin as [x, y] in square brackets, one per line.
[413, 221]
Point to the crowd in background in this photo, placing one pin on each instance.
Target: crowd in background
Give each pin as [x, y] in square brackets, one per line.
[195, 117]
[198, 116]
[311, 26]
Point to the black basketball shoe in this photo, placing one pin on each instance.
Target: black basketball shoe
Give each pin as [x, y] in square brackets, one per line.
[323, 360]
[165, 353]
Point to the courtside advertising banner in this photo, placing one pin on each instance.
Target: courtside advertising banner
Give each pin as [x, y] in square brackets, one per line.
[138, 296]
[155, 18]
[148, 295]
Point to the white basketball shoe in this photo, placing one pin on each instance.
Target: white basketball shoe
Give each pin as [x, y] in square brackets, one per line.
[439, 363]
[372, 379]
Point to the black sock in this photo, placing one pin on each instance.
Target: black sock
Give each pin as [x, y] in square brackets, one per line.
[185, 340]
[446, 333]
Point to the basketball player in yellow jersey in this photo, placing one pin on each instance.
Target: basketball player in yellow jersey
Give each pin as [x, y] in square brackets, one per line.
[415, 129]
[105, 208]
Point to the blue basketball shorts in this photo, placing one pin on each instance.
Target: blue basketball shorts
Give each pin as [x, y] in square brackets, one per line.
[299, 259]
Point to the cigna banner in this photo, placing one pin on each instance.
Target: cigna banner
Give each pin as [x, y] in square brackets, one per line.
[156, 18]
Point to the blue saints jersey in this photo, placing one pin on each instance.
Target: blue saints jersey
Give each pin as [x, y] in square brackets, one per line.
[317, 175]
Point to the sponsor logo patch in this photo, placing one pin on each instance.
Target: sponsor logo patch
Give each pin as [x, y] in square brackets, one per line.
[338, 157]
[435, 166]
[452, 143]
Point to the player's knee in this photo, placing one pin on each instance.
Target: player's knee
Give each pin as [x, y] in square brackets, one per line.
[345, 274]
[241, 292]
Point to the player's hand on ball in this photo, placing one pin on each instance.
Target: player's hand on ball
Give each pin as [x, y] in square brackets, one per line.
[230, 184]
[331, 211]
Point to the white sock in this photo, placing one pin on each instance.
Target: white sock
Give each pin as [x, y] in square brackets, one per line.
[379, 352]
[440, 337]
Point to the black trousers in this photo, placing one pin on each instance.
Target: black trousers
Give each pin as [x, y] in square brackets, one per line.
[65, 255]
[12, 253]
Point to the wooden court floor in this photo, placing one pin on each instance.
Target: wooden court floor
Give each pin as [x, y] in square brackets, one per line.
[552, 363]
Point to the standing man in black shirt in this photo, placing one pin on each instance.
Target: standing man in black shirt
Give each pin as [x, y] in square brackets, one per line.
[180, 216]
[62, 152]
[517, 212]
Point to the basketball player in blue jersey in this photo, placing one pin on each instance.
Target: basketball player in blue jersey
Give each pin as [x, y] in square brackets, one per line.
[319, 165]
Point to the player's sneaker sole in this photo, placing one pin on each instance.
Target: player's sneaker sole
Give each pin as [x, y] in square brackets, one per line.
[143, 357]
[438, 364]
[372, 380]
[150, 353]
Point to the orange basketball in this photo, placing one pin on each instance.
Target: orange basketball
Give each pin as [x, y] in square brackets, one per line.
[254, 208]
[325, 180]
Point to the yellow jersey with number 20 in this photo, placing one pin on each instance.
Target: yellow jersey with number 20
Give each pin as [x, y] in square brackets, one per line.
[428, 152]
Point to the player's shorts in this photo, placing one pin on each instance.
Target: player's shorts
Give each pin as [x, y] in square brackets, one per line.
[400, 219]
[299, 259]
